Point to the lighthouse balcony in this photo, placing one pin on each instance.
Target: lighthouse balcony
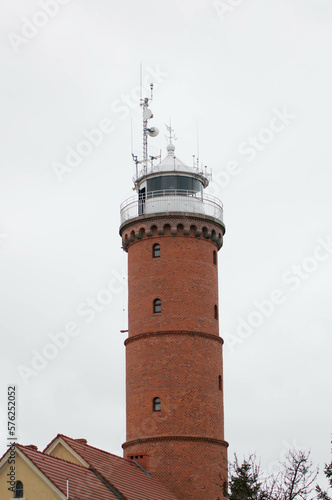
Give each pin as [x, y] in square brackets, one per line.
[171, 200]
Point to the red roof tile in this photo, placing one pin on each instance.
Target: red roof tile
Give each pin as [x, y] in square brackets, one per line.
[125, 476]
[83, 483]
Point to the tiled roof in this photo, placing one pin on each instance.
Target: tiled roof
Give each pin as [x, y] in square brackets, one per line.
[83, 483]
[125, 476]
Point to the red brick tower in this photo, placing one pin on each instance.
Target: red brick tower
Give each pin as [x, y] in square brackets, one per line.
[175, 416]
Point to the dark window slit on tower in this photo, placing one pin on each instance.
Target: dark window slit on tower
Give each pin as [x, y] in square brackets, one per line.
[156, 406]
[157, 306]
[156, 250]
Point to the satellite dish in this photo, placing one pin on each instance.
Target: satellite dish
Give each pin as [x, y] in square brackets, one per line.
[147, 114]
[153, 131]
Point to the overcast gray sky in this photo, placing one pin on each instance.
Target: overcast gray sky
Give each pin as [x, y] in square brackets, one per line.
[257, 77]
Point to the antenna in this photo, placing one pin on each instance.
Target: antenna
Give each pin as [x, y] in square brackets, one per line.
[169, 130]
[197, 143]
[131, 135]
[152, 158]
[152, 132]
[171, 137]
[132, 148]
[136, 163]
[140, 82]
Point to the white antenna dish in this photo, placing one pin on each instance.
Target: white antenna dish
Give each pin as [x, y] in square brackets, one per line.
[153, 131]
[147, 114]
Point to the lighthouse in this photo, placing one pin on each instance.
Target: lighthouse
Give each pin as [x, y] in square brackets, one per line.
[172, 232]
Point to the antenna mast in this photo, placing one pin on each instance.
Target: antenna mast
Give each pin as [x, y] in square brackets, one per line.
[197, 144]
[152, 131]
[147, 114]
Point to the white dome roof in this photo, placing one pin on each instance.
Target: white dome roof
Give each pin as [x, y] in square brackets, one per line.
[170, 163]
[173, 164]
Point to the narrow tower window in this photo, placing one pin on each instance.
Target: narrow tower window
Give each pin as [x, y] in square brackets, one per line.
[156, 250]
[156, 404]
[157, 306]
[215, 312]
[214, 257]
[220, 383]
[18, 489]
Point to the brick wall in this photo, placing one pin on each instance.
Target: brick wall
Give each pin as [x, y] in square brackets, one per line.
[184, 278]
[176, 355]
[193, 470]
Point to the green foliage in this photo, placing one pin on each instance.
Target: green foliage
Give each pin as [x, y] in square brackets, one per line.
[244, 481]
[323, 495]
[295, 481]
[328, 472]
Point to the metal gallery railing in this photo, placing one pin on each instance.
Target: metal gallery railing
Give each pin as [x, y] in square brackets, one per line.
[171, 200]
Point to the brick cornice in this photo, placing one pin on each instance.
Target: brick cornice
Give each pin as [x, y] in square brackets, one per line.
[174, 224]
[157, 439]
[175, 332]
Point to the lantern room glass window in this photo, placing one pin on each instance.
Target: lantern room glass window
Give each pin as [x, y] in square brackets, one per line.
[173, 184]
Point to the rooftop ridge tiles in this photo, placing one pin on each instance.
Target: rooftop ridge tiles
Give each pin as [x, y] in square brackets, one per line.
[3, 456]
[51, 456]
[17, 445]
[97, 471]
[49, 444]
[94, 447]
[121, 459]
[45, 474]
[39, 459]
